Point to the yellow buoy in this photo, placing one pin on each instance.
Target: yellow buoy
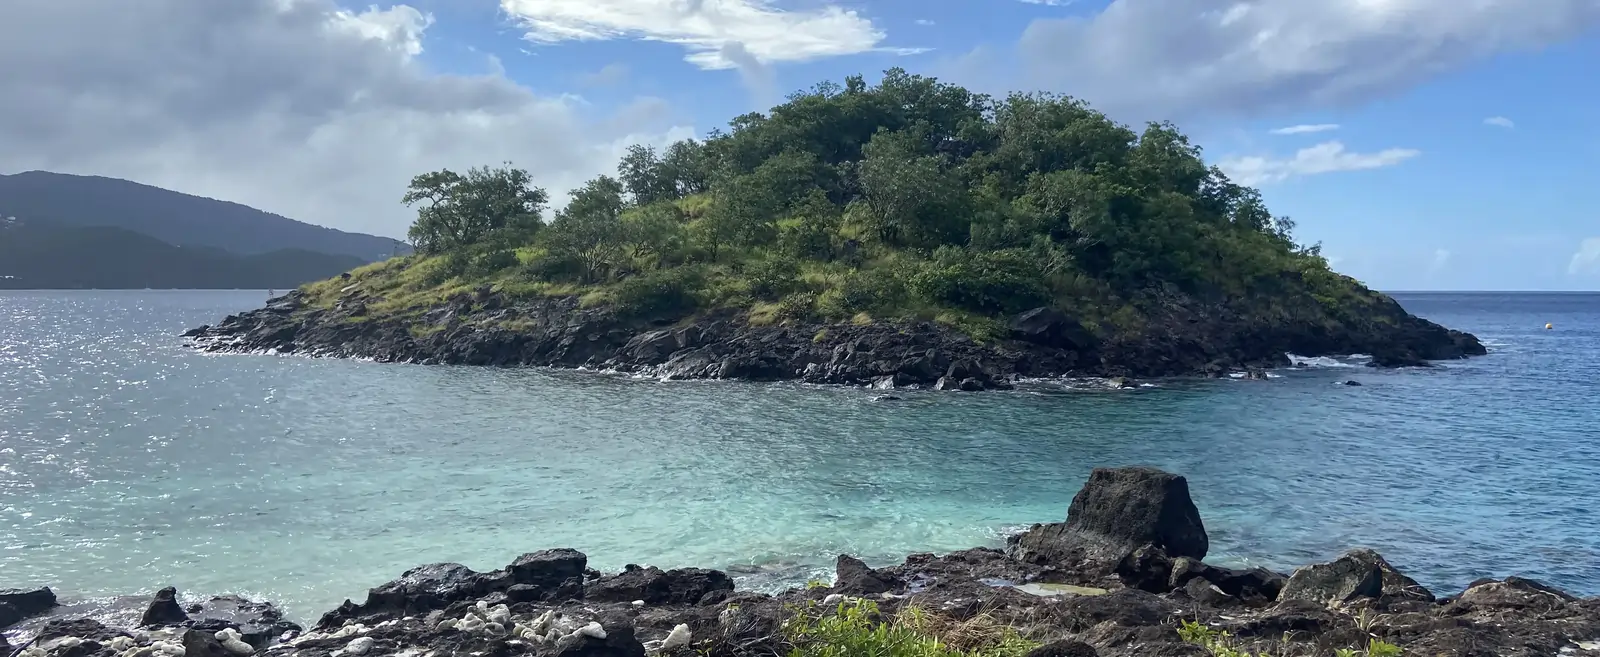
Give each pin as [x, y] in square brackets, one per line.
[1548, 326]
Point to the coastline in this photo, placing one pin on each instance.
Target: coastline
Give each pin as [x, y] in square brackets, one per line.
[488, 328]
[1119, 577]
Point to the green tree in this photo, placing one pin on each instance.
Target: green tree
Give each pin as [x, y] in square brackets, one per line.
[913, 199]
[458, 211]
[589, 229]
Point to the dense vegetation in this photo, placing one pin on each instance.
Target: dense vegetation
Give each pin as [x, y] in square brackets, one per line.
[911, 198]
[47, 257]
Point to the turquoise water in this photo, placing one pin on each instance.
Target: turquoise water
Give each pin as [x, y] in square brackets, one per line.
[128, 462]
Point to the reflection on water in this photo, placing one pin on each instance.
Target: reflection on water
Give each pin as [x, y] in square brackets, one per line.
[128, 463]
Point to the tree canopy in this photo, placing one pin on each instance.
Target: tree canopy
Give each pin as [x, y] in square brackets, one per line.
[903, 196]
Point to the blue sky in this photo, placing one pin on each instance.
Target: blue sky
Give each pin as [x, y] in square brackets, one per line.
[1428, 144]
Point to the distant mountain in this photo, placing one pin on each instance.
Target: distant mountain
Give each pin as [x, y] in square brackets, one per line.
[73, 257]
[42, 198]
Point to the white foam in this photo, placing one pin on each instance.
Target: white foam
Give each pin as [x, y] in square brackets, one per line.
[1324, 361]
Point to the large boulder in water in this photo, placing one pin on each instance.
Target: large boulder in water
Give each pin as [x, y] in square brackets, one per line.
[1117, 512]
[164, 609]
[853, 576]
[1359, 573]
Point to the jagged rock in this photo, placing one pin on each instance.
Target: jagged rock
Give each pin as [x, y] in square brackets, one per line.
[1251, 585]
[852, 576]
[1117, 512]
[1359, 573]
[1513, 593]
[657, 587]
[1392, 359]
[419, 590]
[164, 609]
[28, 602]
[1052, 328]
[549, 568]
[619, 641]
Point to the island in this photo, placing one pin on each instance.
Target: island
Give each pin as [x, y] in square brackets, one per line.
[1123, 576]
[908, 233]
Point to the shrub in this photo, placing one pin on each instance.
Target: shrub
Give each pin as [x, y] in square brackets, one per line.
[859, 291]
[774, 277]
[658, 293]
[554, 266]
[491, 262]
[985, 282]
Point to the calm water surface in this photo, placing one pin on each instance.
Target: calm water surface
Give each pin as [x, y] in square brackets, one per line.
[128, 462]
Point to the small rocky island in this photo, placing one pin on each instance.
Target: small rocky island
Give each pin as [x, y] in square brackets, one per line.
[1124, 575]
[911, 233]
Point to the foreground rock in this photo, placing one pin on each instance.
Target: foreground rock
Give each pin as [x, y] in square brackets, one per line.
[550, 604]
[485, 327]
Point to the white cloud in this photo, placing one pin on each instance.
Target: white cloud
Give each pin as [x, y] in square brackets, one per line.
[292, 106]
[1327, 157]
[1499, 122]
[1587, 259]
[1052, 3]
[1171, 59]
[705, 27]
[923, 22]
[1305, 129]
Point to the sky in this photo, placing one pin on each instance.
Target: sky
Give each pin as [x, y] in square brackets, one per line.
[1427, 144]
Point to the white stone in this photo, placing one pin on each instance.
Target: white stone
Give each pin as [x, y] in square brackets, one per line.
[238, 647]
[678, 638]
[593, 629]
[141, 651]
[638, 603]
[360, 645]
[833, 599]
[122, 643]
[63, 643]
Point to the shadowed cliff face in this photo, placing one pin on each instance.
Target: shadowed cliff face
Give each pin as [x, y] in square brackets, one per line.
[1181, 336]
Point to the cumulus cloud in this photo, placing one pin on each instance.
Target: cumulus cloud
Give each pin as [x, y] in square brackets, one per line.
[1499, 122]
[1327, 157]
[1176, 58]
[923, 22]
[767, 33]
[1305, 129]
[292, 106]
[1587, 259]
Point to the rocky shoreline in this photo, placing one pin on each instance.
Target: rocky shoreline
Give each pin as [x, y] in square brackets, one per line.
[1124, 575]
[484, 327]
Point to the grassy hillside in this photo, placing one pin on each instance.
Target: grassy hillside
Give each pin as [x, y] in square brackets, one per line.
[34, 257]
[850, 203]
[53, 199]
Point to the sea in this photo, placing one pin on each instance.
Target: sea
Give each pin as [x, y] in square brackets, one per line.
[129, 462]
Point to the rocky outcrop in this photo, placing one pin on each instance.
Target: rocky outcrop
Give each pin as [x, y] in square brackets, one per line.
[17, 604]
[1125, 522]
[567, 610]
[485, 327]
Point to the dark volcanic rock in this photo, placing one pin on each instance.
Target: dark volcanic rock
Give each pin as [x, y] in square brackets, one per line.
[25, 603]
[1184, 336]
[419, 590]
[1116, 513]
[657, 587]
[1359, 573]
[1064, 648]
[258, 623]
[549, 569]
[852, 576]
[164, 609]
